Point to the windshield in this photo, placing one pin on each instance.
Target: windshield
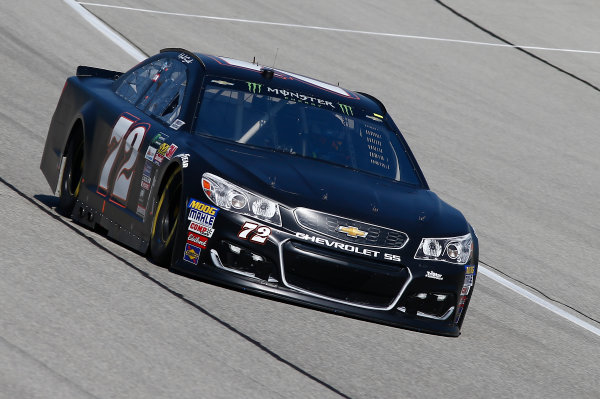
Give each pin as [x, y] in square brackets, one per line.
[255, 115]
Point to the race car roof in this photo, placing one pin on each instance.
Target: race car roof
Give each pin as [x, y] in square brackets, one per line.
[282, 80]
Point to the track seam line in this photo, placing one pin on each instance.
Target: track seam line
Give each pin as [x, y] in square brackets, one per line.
[176, 294]
[519, 48]
[341, 30]
[55, 373]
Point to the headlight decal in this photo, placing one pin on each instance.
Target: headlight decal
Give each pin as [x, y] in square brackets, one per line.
[227, 195]
[452, 250]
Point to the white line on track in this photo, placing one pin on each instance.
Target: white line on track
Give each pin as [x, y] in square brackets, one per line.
[322, 28]
[540, 301]
[135, 53]
[107, 31]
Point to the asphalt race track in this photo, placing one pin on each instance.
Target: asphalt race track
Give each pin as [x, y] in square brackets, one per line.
[508, 135]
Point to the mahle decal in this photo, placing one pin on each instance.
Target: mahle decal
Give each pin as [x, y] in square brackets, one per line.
[254, 87]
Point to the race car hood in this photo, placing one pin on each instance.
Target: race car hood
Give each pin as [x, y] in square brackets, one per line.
[294, 181]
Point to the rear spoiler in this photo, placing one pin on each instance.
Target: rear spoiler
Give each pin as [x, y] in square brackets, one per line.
[98, 72]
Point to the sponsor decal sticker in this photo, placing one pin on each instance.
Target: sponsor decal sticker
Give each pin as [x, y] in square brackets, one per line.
[458, 313]
[254, 233]
[158, 139]
[434, 275]
[202, 218]
[185, 159]
[346, 109]
[191, 254]
[145, 184]
[171, 151]
[470, 271]
[186, 59]
[148, 167]
[302, 98]
[254, 87]
[196, 239]
[202, 213]
[200, 229]
[374, 118]
[162, 150]
[201, 206]
[177, 124]
[160, 153]
[150, 153]
[468, 280]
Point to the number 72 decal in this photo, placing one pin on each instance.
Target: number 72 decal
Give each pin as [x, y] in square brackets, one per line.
[258, 234]
[123, 147]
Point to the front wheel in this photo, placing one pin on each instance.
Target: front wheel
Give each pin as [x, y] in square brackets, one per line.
[164, 223]
[71, 178]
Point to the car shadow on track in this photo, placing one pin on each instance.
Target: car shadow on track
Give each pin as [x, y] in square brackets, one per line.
[49, 200]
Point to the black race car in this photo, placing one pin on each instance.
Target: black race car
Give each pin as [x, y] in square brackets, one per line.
[264, 180]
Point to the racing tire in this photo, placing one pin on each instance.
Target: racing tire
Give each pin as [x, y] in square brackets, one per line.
[164, 223]
[71, 179]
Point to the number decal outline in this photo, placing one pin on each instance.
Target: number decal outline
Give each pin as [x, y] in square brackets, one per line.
[123, 147]
[255, 233]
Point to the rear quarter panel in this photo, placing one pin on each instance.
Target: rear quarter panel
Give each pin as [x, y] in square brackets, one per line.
[62, 121]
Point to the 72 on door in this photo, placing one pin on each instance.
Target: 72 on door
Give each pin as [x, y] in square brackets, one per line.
[123, 150]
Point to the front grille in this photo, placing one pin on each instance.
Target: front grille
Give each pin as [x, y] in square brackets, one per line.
[330, 225]
[331, 275]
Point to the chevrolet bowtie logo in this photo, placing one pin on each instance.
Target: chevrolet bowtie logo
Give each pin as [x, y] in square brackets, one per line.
[352, 231]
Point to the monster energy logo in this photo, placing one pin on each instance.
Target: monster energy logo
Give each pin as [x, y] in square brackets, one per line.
[346, 109]
[254, 87]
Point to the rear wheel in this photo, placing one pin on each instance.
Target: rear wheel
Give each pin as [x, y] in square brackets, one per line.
[164, 223]
[71, 178]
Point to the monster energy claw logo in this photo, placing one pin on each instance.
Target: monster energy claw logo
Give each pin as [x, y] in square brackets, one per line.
[254, 87]
[346, 109]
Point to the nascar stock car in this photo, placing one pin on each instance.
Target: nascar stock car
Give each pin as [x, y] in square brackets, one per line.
[264, 180]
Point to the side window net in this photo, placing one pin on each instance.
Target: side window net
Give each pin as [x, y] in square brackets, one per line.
[135, 85]
[157, 88]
